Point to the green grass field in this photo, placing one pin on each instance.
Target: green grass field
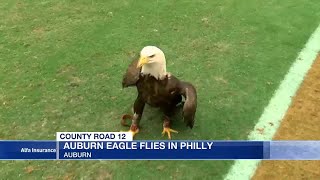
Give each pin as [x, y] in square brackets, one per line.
[61, 66]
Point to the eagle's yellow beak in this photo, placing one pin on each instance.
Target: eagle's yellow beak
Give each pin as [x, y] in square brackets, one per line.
[142, 61]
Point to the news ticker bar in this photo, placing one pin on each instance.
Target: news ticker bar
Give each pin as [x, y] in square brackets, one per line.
[159, 150]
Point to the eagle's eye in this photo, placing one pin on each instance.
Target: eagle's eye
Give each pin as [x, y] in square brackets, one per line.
[151, 56]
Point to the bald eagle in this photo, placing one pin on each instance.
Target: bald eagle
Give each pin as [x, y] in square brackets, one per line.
[158, 88]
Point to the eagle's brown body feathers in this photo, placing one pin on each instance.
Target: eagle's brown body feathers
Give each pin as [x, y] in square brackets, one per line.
[165, 94]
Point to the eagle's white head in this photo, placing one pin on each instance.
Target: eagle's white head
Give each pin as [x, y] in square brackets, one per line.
[153, 62]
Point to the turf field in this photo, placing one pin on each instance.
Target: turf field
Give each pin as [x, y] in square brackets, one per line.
[61, 66]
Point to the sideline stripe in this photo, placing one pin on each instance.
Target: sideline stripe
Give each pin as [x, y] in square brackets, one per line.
[278, 105]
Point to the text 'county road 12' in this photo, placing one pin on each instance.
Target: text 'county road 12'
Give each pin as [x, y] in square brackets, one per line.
[94, 136]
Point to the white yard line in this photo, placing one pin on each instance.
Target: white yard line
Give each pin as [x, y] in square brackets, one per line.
[278, 105]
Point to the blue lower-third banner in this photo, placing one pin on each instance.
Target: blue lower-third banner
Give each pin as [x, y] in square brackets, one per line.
[159, 150]
[162, 150]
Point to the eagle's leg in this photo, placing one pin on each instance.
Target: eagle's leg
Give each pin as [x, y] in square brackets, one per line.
[169, 111]
[138, 110]
[166, 127]
[134, 128]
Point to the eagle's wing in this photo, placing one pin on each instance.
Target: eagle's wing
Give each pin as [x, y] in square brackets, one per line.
[190, 105]
[131, 76]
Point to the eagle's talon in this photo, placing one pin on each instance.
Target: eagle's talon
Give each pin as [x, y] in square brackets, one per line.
[168, 131]
[134, 129]
[134, 132]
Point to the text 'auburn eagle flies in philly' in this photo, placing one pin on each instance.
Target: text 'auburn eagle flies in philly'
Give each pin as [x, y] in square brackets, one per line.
[158, 88]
